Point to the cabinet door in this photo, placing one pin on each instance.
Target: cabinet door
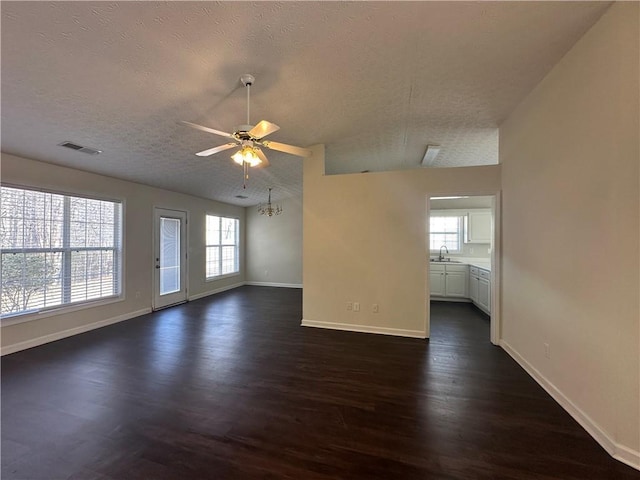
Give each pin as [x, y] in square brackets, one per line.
[484, 294]
[436, 284]
[473, 288]
[478, 226]
[456, 284]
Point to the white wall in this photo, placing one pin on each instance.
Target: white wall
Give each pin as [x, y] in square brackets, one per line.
[274, 246]
[139, 201]
[365, 241]
[570, 178]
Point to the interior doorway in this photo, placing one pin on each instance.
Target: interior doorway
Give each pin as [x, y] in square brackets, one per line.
[463, 251]
[170, 258]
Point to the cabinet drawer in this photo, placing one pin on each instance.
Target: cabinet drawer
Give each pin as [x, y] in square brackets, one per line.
[484, 274]
[457, 268]
[436, 268]
[473, 271]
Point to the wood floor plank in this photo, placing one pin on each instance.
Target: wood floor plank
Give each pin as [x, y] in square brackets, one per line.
[232, 387]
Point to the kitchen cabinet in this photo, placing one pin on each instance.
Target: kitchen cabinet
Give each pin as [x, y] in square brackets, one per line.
[473, 284]
[484, 295]
[456, 280]
[480, 288]
[477, 226]
[448, 281]
[436, 281]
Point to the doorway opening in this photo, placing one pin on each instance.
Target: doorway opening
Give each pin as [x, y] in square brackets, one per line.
[463, 256]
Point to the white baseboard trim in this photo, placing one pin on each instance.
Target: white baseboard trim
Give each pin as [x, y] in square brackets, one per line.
[398, 332]
[213, 292]
[274, 284]
[628, 456]
[616, 450]
[52, 337]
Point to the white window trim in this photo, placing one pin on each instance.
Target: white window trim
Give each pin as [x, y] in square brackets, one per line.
[220, 245]
[30, 316]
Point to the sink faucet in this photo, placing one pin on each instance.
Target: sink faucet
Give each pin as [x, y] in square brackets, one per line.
[440, 256]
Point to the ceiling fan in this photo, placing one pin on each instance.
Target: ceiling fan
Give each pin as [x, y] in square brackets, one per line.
[249, 138]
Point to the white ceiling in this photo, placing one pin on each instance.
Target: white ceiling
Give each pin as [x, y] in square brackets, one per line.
[374, 81]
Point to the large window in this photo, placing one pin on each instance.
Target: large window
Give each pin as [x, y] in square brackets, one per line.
[445, 231]
[222, 246]
[57, 250]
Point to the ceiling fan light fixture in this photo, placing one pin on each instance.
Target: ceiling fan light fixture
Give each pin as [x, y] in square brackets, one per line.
[246, 155]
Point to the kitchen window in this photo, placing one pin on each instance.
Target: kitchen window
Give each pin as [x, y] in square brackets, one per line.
[447, 231]
[57, 250]
[222, 246]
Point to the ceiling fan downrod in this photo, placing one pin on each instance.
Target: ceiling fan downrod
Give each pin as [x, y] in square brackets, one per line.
[247, 80]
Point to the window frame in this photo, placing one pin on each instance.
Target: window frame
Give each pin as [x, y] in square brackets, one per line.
[66, 250]
[220, 245]
[459, 232]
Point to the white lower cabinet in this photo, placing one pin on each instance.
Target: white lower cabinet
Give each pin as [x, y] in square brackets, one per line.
[473, 284]
[436, 281]
[456, 280]
[480, 288]
[448, 280]
[484, 295]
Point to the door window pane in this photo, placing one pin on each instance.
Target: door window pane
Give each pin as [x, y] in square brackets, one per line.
[169, 255]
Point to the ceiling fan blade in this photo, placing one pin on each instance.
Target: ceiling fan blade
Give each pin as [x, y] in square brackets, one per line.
[263, 157]
[263, 129]
[283, 147]
[206, 129]
[221, 148]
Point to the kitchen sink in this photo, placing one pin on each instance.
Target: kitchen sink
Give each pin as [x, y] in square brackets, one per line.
[444, 260]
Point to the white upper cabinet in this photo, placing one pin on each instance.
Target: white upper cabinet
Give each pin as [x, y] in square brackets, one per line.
[477, 226]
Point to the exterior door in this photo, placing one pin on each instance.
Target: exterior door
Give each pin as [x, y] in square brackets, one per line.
[170, 258]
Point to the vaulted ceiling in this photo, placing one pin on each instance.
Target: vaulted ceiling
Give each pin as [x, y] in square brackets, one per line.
[376, 82]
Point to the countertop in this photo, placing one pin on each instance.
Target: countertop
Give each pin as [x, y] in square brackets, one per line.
[483, 263]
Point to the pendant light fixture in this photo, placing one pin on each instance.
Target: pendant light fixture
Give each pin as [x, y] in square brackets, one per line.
[268, 209]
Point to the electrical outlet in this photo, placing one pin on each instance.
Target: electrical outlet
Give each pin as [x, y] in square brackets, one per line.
[547, 350]
[137, 294]
[349, 305]
[376, 308]
[356, 307]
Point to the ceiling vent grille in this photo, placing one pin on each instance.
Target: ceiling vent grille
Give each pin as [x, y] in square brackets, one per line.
[80, 148]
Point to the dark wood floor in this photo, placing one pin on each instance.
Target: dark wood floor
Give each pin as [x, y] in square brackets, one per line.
[231, 386]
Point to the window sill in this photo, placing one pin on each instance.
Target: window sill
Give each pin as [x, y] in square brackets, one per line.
[61, 310]
[222, 277]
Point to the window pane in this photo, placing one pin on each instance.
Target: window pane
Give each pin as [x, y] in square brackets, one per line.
[213, 261]
[213, 230]
[53, 265]
[222, 246]
[228, 260]
[228, 231]
[445, 231]
[169, 255]
[12, 282]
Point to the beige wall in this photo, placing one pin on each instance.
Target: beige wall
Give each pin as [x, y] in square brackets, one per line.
[139, 201]
[364, 241]
[274, 245]
[570, 181]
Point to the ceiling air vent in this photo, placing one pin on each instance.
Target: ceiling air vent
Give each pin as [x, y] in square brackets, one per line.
[80, 148]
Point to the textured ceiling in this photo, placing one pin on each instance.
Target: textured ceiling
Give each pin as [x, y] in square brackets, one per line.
[374, 81]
